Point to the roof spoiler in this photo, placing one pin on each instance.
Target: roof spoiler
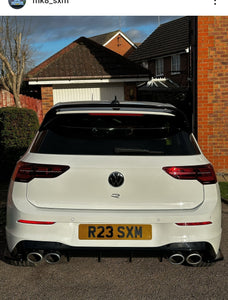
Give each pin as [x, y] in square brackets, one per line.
[115, 105]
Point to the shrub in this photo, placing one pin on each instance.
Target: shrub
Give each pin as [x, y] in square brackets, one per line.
[17, 129]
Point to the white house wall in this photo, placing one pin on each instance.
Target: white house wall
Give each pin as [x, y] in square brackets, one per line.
[88, 92]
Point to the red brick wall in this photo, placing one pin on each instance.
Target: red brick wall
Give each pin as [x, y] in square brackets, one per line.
[6, 99]
[130, 91]
[120, 46]
[47, 98]
[182, 78]
[213, 89]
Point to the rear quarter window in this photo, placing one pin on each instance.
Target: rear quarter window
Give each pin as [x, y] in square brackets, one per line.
[102, 134]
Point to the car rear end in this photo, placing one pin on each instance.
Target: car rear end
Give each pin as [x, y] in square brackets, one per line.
[114, 176]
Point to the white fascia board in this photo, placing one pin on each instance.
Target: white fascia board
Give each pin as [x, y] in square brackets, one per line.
[86, 81]
[124, 36]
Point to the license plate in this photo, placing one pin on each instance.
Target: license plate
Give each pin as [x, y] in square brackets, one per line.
[115, 232]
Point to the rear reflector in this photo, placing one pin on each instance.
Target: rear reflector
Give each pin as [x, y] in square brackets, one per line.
[194, 223]
[205, 174]
[25, 172]
[36, 222]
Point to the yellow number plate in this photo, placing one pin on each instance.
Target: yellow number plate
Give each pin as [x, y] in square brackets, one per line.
[115, 232]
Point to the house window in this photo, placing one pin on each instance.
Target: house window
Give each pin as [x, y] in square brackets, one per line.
[159, 67]
[175, 64]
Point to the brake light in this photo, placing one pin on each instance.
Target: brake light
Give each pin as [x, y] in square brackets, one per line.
[35, 222]
[205, 174]
[25, 172]
[116, 114]
[194, 223]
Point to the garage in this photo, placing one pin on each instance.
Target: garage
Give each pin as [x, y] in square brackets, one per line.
[88, 92]
[85, 70]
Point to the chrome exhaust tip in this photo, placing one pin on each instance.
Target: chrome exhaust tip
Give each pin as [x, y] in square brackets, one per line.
[177, 259]
[194, 259]
[52, 258]
[34, 257]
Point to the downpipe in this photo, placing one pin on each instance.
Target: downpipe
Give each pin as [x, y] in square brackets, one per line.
[177, 259]
[34, 257]
[194, 259]
[52, 258]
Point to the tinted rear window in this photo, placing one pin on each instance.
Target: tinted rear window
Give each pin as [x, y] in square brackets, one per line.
[99, 134]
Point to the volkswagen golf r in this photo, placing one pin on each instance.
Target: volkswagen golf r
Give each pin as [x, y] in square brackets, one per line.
[122, 176]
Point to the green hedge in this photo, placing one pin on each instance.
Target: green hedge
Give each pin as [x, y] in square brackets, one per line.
[17, 129]
[224, 189]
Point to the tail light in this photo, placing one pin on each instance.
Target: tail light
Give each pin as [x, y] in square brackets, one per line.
[116, 114]
[194, 223]
[35, 222]
[205, 174]
[25, 172]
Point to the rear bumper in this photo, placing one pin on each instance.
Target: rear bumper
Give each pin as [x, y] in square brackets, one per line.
[66, 235]
[203, 248]
[166, 238]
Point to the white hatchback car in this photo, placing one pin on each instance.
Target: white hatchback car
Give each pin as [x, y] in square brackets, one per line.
[120, 176]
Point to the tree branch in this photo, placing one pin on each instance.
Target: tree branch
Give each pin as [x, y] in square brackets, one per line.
[14, 55]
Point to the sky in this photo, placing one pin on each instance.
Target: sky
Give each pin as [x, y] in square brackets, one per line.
[49, 34]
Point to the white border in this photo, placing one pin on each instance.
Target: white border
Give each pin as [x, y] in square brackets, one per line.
[118, 8]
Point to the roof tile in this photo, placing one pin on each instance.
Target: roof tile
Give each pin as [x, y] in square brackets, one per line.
[85, 58]
[169, 38]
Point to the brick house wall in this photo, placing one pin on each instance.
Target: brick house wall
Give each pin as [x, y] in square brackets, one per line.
[6, 99]
[212, 89]
[120, 46]
[181, 78]
[47, 98]
[130, 92]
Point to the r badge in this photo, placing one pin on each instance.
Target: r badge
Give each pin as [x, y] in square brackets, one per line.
[115, 196]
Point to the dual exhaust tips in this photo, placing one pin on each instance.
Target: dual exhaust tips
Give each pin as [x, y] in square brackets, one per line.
[193, 259]
[37, 257]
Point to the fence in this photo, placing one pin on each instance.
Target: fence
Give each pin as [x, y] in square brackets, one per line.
[6, 99]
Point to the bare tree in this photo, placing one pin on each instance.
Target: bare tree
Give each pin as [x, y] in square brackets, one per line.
[15, 52]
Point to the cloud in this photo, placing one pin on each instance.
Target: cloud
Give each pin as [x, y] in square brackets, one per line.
[57, 27]
[49, 34]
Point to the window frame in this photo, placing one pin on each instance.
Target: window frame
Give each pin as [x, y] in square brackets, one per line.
[175, 64]
[159, 67]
